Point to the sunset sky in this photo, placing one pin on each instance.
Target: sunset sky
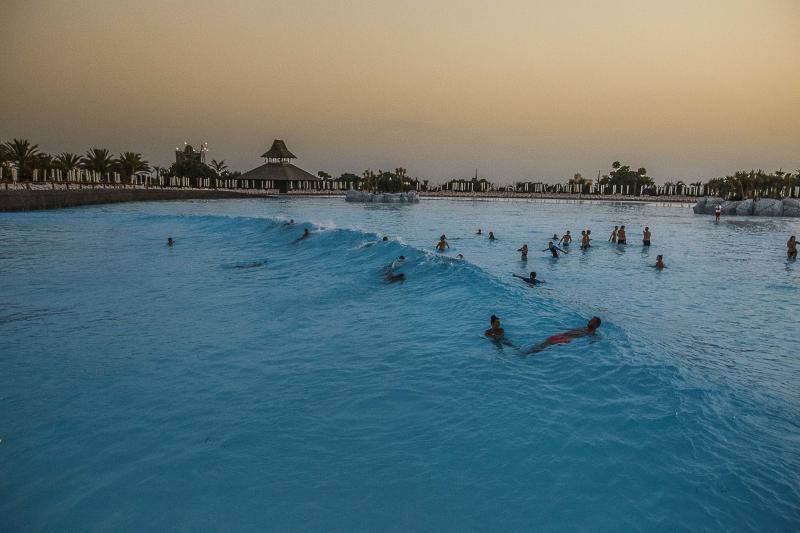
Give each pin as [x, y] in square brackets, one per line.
[519, 89]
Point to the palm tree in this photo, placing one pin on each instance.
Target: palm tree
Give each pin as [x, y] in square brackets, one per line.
[67, 161]
[130, 163]
[23, 154]
[97, 160]
[219, 166]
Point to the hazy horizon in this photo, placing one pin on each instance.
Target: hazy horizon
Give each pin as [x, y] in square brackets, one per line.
[517, 89]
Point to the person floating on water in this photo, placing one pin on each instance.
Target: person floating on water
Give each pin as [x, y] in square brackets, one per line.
[791, 248]
[646, 236]
[491, 236]
[530, 280]
[584, 240]
[524, 252]
[479, 232]
[442, 244]
[613, 238]
[555, 237]
[566, 239]
[495, 332]
[391, 278]
[717, 213]
[553, 249]
[306, 234]
[568, 336]
[621, 239]
[290, 223]
[170, 242]
[660, 262]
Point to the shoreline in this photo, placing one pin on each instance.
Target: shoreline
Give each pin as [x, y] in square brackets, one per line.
[41, 196]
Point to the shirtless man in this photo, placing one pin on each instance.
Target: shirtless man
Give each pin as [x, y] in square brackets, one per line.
[584, 240]
[491, 236]
[660, 262]
[495, 332]
[566, 239]
[442, 244]
[531, 280]
[613, 237]
[524, 252]
[479, 232]
[791, 248]
[170, 242]
[306, 235]
[717, 213]
[646, 236]
[621, 235]
[567, 336]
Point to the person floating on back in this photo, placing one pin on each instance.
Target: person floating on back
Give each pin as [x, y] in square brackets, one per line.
[553, 249]
[524, 252]
[567, 336]
[717, 213]
[306, 234]
[495, 332]
[566, 239]
[170, 242]
[491, 236]
[646, 236]
[530, 280]
[660, 262]
[791, 248]
[613, 238]
[621, 238]
[442, 244]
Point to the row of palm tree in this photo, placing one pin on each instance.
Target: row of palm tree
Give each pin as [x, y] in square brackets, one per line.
[27, 157]
[755, 184]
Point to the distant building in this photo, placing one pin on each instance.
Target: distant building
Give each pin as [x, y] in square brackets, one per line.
[278, 173]
[190, 154]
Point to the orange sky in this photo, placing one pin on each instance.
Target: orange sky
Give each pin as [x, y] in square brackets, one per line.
[517, 88]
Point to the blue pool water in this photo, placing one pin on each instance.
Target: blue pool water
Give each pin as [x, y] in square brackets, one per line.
[241, 382]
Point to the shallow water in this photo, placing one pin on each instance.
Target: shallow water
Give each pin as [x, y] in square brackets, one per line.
[239, 381]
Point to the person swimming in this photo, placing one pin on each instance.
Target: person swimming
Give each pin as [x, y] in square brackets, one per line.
[555, 237]
[621, 239]
[566, 239]
[385, 238]
[491, 236]
[646, 236]
[391, 278]
[524, 252]
[568, 336]
[306, 235]
[442, 244]
[531, 279]
[495, 332]
[791, 248]
[460, 257]
[660, 262]
[553, 249]
[479, 232]
[613, 238]
[170, 242]
[290, 223]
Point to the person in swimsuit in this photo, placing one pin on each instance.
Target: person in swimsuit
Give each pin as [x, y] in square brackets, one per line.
[566, 239]
[306, 235]
[531, 280]
[791, 248]
[524, 252]
[442, 244]
[584, 240]
[491, 236]
[660, 262]
[553, 249]
[555, 237]
[460, 257]
[170, 242]
[479, 232]
[621, 235]
[290, 223]
[717, 213]
[646, 236]
[613, 237]
[567, 336]
[495, 332]
[391, 278]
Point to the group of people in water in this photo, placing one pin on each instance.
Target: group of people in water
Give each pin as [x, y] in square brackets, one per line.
[497, 334]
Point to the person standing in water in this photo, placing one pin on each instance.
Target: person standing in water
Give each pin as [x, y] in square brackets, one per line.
[567, 336]
[555, 237]
[442, 244]
[791, 248]
[170, 242]
[495, 332]
[584, 240]
[479, 232]
[491, 236]
[524, 252]
[660, 262]
[717, 213]
[566, 239]
[613, 237]
[621, 239]
[646, 236]
[553, 249]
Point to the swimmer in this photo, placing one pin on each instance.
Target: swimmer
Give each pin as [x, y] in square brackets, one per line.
[479, 232]
[613, 238]
[531, 280]
[717, 213]
[290, 223]
[491, 236]
[555, 237]
[460, 257]
[791, 248]
[385, 238]
[391, 278]
[567, 336]
[306, 235]
[646, 236]
[584, 240]
[621, 235]
[660, 262]
[170, 242]
[566, 239]
[524, 252]
[495, 332]
[442, 244]
[553, 249]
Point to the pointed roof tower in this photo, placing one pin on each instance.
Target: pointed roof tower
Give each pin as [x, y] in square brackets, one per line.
[278, 153]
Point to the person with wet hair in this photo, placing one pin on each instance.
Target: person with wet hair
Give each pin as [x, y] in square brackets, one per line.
[170, 242]
[660, 262]
[530, 280]
[524, 252]
[442, 245]
[306, 234]
[568, 336]
[495, 331]
[791, 248]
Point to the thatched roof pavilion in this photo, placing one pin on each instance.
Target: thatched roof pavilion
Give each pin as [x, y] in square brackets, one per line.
[278, 173]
